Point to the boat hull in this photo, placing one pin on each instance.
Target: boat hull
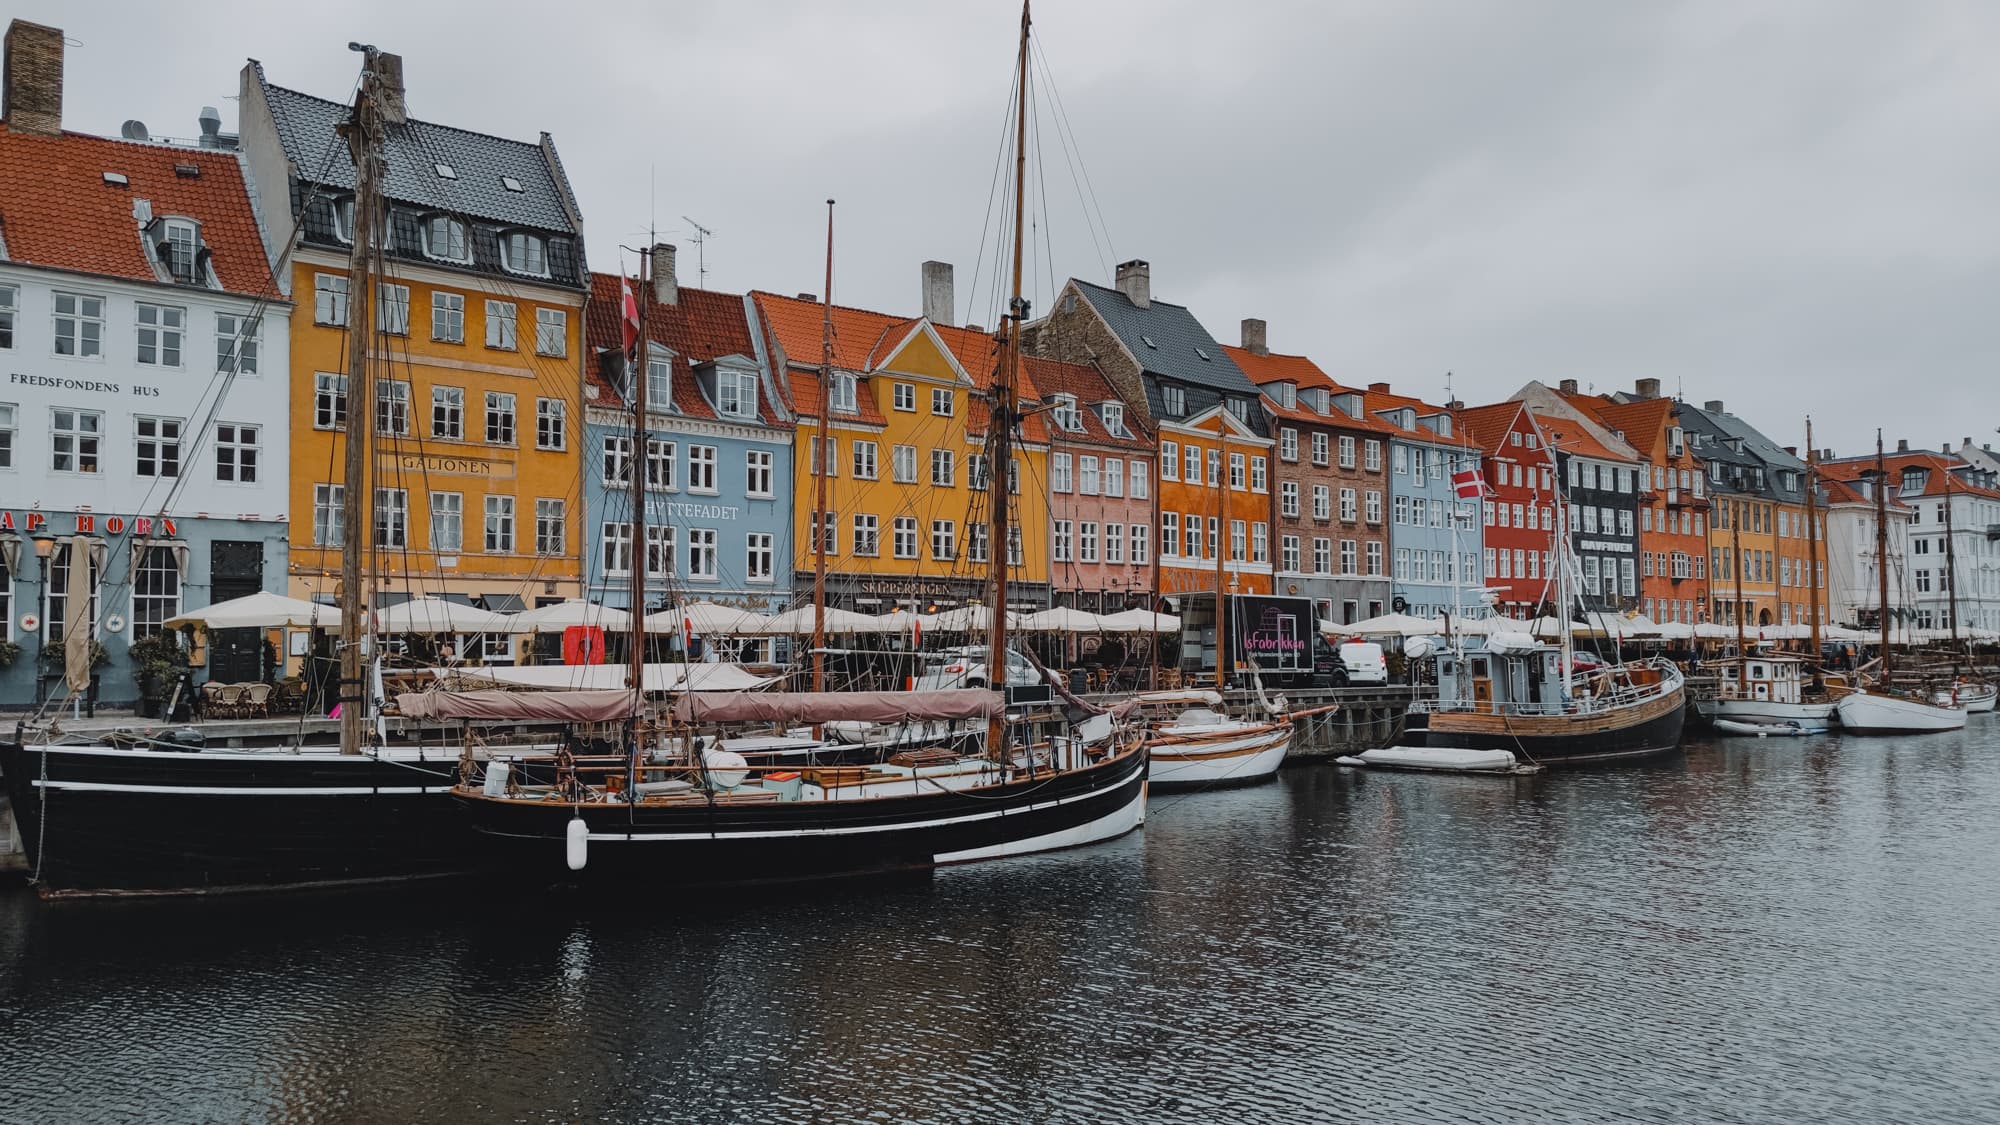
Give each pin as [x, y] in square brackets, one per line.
[693, 844]
[1438, 759]
[1815, 718]
[1641, 730]
[1978, 700]
[1242, 756]
[1869, 713]
[1761, 730]
[111, 820]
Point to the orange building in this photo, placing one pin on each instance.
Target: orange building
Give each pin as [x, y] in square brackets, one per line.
[1673, 501]
[1205, 487]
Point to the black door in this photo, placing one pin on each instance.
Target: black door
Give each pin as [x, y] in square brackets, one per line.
[236, 570]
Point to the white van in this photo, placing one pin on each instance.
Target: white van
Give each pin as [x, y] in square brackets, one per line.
[1361, 662]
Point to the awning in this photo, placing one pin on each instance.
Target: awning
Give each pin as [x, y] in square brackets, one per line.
[503, 603]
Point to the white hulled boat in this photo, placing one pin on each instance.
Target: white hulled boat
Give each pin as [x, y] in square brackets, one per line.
[1766, 689]
[1877, 712]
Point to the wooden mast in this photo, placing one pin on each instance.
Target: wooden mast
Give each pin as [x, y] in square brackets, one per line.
[1222, 651]
[365, 134]
[1736, 567]
[1950, 561]
[641, 375]
[1002, 412]
[1812, 545]
[819, 456]
[1882, 546]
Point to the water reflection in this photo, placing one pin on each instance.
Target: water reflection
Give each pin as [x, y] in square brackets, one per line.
[1773, 930]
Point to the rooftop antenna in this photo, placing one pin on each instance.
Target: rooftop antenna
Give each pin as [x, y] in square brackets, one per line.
[701, 236]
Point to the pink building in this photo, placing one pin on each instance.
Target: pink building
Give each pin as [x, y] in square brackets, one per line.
[1101, 490]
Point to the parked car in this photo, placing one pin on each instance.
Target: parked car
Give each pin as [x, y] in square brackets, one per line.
[1361, 662]
[967, 666]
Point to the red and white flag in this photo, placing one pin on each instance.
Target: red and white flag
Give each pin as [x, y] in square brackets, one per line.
[1467, 485]
[687, 632]
[628, 307]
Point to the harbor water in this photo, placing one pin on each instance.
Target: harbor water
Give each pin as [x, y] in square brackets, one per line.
[1751, 931]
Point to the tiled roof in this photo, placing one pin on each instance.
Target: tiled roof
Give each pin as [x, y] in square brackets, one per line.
[307, 129]
[805, 400]
[1179, 342]
[798, 328]
[1488, 426]
[700, 326]
[1269, 368]
[1377, 403]
[1574, 439]
[1642, 421]
[979, 354]
[1936, 464]
[56, 210]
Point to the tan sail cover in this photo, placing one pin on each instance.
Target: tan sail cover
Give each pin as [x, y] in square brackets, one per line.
[607, 706]
[86, 555]
[837, 706]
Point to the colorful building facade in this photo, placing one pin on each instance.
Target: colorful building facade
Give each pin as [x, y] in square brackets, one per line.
[1436, 540]
[1517, 514]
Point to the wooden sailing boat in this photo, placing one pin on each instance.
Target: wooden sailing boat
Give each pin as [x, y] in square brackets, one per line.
[686, 803]
[1884, 707]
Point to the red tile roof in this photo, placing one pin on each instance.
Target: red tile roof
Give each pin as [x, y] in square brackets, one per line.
[1643, 422]
[804, 385]
[1265, 369]
[56, 209]
[858, 334]
[1575, 438]
[1488, 426]
[1940, 466]
[699, 326]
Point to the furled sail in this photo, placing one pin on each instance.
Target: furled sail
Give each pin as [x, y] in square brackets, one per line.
[837, 706]
[604, 706]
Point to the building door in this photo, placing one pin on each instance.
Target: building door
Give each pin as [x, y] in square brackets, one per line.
[236, 570]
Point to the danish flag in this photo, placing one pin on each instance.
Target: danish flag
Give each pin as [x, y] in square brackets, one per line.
[628, 313]
[1467, 484]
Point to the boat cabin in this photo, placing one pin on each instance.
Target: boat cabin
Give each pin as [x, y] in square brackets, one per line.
[1764, 678]
[1522, 681]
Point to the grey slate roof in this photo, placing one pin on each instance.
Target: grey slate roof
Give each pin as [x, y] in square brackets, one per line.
[1758, 452]
[1178, 341]
[307, 129]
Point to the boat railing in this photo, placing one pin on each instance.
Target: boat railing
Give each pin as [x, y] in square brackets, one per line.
[1620, 692]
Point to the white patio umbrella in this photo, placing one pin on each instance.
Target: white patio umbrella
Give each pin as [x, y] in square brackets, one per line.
[1392, 625]
[1676, 630]
[260, 611]
[1139, 621]
[972, 619]
[1062, 619]
[799, 622]
[708, 618]
[1709, 631]
[438, 615]
[565, 614]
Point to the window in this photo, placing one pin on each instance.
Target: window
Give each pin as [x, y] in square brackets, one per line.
[1288, 553]
[1322, 556]
[903, 463]
[1113, 414]
[757, 557]
[944, 540]
[1170, 535]
[1347, 451]
[236, 452]
[499, 418]
[1375, 562]
[1173, 401]
[1399, 460]
[1192, 461]
[551, 423]
[447, 522]
[944, 473]
[905, 537]
[236, 343]
[552, 332]
[1236, 471]
[661, 458]
[1139, 551]
[701, 554]
[1114, 476]
[1322, 502]
[941, 402]
[975, 473]
[157, 445]
[392, 517]
[156, 590]
[448, 317]
[757, 473]
[1374, 509]
[1170, 456]
[329, 401]
[330, 299]
[736, 394]
[74, 436]
[448, 412]
[1288, 499]
[865, 462]
[903, 396]
[161, 330]
[1402, 564]
[615, 546]
[659, 384]
[1059, 474]
[701, 468]
[392, 309]
[1086, 475]
[1257, 475]
[1288, 444]
[1319, 449]
[975, 541]
[1086, 541]
[1214, 467]
[1238, 540]
[500, 327]
[1371, 456]
[1191, 535]
[444, 237]
[1061, 546]
[1348, 559]
[1141, 485]
[1240, 407]
[616, 463]
[392, 407]
[1065, 413]
[1347, 510]
[867, 536]
[844, 393]
[551, 526]
[500, 524]
[327, 514]
[525, 253]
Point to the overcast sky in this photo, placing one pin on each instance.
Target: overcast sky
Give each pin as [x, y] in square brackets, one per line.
[1786, 206]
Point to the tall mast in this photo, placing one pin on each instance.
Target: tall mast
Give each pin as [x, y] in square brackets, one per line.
[1736, 567]
[1950, 562]
[1001, 415]
[637, 469]
[1812, 544]
[1566, 640]
[1882, 546]
[819, 456]
[365, 136]
[1222, 653]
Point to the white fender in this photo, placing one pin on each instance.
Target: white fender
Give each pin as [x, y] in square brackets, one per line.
[577, 843]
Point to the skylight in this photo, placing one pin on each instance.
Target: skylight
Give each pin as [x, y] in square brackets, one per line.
[1201, 353]
[511, 184]
[445, 170]
[1149, 341]
[117, 178]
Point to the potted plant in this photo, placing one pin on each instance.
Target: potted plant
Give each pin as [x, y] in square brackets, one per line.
[9, 652]
[157, 663]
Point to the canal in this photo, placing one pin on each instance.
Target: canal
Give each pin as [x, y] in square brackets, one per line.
[1782, 931]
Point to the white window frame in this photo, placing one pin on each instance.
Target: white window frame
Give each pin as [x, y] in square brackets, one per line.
[447, 316]
[503, 326]
[551, 332]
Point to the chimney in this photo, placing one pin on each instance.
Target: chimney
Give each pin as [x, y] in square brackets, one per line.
[1713, 406]
[1253, 337]
[1455, 404]
[34, 79]
[666, 286]
[1902, 445]
[389, 76]
[1135, 280]
[1646, 388]
[1792, 449]
[1379, 388]
[937, 292]
[1567, 386]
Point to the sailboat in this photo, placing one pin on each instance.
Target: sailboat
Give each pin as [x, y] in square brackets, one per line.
[1884, 707]
[685, 803]
[212, 809]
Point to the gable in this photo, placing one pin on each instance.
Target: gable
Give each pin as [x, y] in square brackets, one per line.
[924, 355]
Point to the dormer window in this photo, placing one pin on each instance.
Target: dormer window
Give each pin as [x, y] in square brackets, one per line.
[1113, 414]
[736, 394]
[845, 394]
[180, 251]
[445, 239]
[1239, 407]
[1066, 414]
[1322, 400]
[1913, 481]
[1288, 395]
[343, 219]
[1173, 402]
[659, 383]
[527, 253]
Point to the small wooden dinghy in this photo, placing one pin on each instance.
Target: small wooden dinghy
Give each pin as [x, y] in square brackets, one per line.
[1441, 759]
[1761, 730]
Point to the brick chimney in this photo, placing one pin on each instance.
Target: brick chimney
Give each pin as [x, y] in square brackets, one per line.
[1713, 406]
[1135, 280]
[1646, 389]
[1379, 388]
[1567, 386]
[34, 79]
[666, 286]
[1902, 445]
[938, 297]
[1253, 337]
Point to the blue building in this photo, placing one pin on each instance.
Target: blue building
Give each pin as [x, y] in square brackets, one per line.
[1435, 540]
[717, 457]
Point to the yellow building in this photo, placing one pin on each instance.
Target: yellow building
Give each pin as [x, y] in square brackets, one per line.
[906, 508]
[477, 417]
